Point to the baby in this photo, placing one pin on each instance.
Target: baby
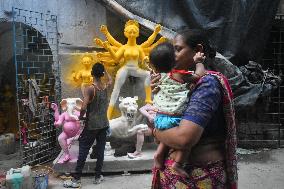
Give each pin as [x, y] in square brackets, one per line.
[171, 100]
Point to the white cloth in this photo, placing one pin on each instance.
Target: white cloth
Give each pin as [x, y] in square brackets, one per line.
[33, 94]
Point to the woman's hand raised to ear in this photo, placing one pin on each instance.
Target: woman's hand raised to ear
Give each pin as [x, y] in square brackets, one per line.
[155, 81]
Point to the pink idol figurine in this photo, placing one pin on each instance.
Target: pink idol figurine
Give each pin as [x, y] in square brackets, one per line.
[69, 120]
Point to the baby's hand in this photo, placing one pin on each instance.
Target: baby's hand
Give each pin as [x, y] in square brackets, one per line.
[199, 57]
[155, 82]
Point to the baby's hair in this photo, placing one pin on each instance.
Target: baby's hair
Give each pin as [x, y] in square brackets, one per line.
[98, 70]
[162, 57]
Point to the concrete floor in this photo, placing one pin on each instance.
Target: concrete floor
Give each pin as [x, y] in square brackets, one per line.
[257, 170]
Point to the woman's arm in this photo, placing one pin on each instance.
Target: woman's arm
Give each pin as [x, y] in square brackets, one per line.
[203, 104]
[185, 136]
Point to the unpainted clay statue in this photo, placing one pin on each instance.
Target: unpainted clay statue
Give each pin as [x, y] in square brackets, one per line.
[130, 58]
[125, 126]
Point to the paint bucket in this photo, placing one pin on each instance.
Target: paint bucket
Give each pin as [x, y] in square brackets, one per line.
[14, 179]
[40, 176]
[27, 174]
[41, 181]
[19, 178]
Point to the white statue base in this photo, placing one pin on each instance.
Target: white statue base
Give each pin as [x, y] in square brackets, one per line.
[111, 164]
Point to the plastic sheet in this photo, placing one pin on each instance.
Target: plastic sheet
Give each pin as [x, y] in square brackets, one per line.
[237, 28]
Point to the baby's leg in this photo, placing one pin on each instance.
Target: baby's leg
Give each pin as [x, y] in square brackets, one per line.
[177, 165]
[148, 111]
[160, 155]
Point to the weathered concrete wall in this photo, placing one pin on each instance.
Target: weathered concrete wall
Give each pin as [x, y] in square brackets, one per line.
[78, 20]
[78, 23]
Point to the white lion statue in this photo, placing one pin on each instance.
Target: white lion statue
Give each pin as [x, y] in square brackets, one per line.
[125, 126]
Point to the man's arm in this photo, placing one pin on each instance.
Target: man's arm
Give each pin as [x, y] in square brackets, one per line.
[89, 93]
[109, 79]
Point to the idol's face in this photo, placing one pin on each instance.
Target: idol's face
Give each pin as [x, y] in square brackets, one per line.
[86, 61]
[131, 31]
